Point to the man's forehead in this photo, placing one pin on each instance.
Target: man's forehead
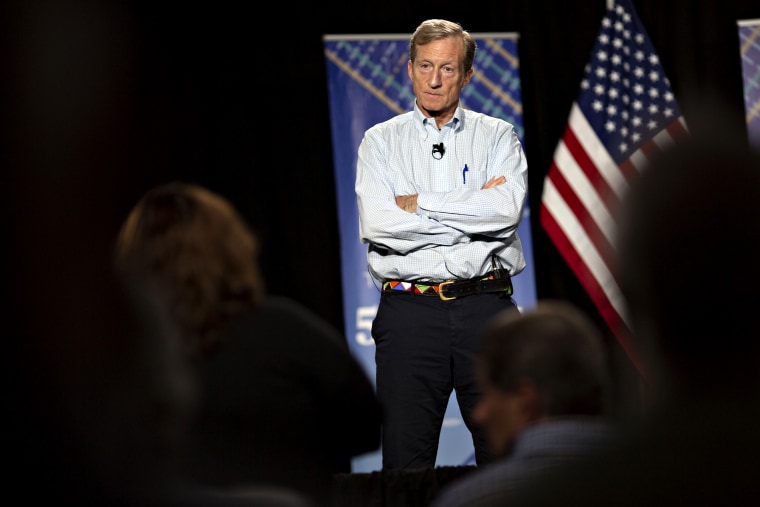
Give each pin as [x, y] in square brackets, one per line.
[449, 48]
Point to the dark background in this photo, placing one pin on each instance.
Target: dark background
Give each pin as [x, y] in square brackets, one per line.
[103, 100]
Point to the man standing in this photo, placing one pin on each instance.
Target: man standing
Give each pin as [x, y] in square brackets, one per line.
[440, 192]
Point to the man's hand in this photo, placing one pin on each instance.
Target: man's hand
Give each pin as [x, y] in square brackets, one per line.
[494, 182]
[407, 203]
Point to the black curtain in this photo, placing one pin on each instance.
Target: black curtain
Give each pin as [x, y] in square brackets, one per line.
[235, 97]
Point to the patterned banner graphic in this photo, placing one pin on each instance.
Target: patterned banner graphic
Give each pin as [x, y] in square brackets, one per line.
[368, 83]
[749, 46]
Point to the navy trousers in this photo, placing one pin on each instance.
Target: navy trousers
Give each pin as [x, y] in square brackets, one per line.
[424, 349]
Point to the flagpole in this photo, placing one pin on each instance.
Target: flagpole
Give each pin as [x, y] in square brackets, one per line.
[609, 4]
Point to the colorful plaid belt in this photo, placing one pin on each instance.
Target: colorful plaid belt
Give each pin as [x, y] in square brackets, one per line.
[452, 289]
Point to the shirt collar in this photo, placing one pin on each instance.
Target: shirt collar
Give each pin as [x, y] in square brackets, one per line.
[421, 119]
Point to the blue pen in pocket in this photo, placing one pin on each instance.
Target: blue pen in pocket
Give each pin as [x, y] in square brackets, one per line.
[464, 174]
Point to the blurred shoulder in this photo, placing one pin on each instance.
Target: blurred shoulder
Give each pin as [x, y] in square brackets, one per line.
[288, 314]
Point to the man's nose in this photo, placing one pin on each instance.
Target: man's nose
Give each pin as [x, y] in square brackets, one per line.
[435, 78]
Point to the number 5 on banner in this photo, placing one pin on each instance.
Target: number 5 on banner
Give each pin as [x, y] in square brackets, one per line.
[364, 317]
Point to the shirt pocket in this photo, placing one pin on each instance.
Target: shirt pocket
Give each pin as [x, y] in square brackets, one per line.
[474, 179]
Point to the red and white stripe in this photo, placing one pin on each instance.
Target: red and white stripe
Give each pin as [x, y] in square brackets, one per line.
[581, 195]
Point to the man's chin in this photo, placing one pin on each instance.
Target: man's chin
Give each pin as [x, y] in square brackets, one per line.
[432, 110]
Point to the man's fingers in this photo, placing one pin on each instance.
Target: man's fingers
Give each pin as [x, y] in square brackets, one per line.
[407, 203]
[495, 181]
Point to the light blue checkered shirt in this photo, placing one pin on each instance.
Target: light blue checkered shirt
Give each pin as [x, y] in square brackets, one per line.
[457, 226]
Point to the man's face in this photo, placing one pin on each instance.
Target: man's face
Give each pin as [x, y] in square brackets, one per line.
[438, 77]
[502, 416]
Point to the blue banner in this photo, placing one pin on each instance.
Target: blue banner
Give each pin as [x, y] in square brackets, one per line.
[749, 46]
[367, 84]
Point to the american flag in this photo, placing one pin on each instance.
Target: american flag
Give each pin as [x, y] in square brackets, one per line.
[624, 113]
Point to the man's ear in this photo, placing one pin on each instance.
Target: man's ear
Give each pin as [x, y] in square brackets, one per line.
[467, 77]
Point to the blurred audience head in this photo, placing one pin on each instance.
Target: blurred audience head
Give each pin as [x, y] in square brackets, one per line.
[196, 245]
[543, 363]
[688, 261]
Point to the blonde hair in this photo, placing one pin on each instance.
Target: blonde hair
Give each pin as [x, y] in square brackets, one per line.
[435, 29]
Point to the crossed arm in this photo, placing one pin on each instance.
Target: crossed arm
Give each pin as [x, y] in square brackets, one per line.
[408, 203]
